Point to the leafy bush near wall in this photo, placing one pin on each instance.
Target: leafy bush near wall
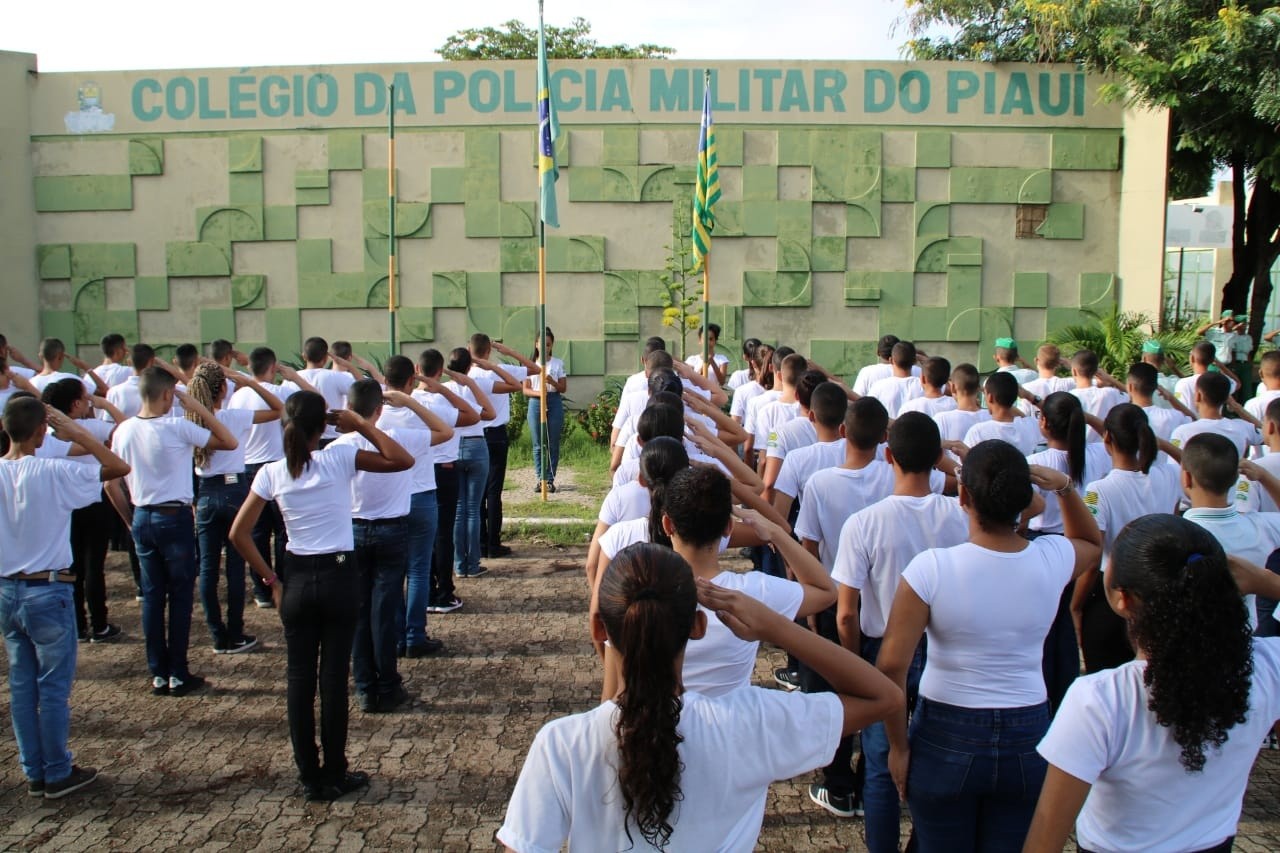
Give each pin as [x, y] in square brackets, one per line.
[597, 418]
[1117, 339]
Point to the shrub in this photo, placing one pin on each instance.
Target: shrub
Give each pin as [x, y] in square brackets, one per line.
[596, 419]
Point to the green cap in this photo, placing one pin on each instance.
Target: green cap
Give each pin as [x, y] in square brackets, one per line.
[1228, 314]
[1213, 368]
[1153, 347]
[1243, 318]
[1006, 343]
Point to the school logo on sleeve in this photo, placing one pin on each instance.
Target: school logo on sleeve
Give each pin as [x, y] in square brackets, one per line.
[773, 438]
[1091, 501]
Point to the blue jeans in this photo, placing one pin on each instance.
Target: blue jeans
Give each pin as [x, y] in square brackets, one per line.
[270, 523]
[975, 776]
[472, 469]
[39, 625]
[423, 518]
[879, 794]
[546, 469]
[166, 543]
[216, 508]
[382, 556]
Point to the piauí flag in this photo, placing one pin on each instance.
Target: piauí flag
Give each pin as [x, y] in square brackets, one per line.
[707, 190]
[548, 132]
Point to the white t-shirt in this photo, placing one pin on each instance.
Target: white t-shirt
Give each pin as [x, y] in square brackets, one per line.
[1022, 374]
[1250, 536]
[465, 393]
[742, 397]
[555, 369]
[954, 424]
[376, 496]
[1042, 387]
[44, 380]
[1242, 433]
[1142, 798]
[265, 442]
[424, 467]
[1022, 433]
[1168, 382]
[982, 655]
[872, 374]
[1164, 421]
[878, 542]
[126, 397]
[1185, 390]
[803, 462]
[720, 663]
[750, 422]
[624, 503]
[630, 405]
[568, 788]
[636, 382]
[332, 385]
[316, 506]
[1121, 496]
[159, 451]
[893, 391]
[1098, 400]
[113, 374]
[35, 515]
[1258, 405]
[1097, 462]
[1271, 462]
[444, 410]
[695, 361]
[631, 531]
[737, 379]
[501, 402]
[931, 406]
[769, 418]
[792, 435]
[238, 422]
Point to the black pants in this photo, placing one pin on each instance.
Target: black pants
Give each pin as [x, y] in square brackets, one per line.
[840, 777]
[1104, 635]
[442, 556]
[90, 530]
[270, 524]
[319, 616]
[491, 503]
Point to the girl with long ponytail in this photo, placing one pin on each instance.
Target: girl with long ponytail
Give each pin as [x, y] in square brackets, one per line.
[1133, 488]
[1155, 754]
[319, 604]
[647, 769]
[1062, 423]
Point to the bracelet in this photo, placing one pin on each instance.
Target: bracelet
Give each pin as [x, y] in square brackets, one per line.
[1065, 489]
[271, 581]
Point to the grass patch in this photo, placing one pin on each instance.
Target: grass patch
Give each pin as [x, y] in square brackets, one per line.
[551, 509]
[575, 534]
[588, 460]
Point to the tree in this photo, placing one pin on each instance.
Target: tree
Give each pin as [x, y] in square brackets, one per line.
[1212, 64]
[514, 40]
[682, 289]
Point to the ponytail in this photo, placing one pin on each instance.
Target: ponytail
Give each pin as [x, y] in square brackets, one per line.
[1064, 421]
[661, 458]
[648, 603]
[206, 387]
[304, 414]
[1131, 435]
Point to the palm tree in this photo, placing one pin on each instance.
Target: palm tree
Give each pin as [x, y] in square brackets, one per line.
[1117, 338]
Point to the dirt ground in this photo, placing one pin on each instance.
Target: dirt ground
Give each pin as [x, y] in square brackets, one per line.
[213, 771]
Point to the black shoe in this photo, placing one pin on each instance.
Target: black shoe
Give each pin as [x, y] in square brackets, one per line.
[109, 634]
[83, 636]
[392, 701]
[325, 793]
[183, 686]
[352, 780]
[847, 805]
[244, 644]
[476, 572]
[447, 606]
[500, 551]
[80, 776]
[551, 487]
[35, 788]
[400, 648]
[429, 646]
[786, 679]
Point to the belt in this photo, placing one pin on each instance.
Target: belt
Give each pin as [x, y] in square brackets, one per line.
[473, 438]
[56, 575]
[444, 464]
[166, 508]
[381, 522]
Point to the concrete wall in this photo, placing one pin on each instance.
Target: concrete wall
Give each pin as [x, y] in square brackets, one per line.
[169, 207]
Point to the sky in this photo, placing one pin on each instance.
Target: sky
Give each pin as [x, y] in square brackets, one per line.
[76, 35]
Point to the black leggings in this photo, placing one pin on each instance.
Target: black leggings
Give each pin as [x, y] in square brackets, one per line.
[1104, 636]
[319, 615]
[90, 531]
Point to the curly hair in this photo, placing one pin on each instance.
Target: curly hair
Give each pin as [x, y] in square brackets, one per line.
[647, 604]
[1192, 626]
[205, 388]
[998, 481]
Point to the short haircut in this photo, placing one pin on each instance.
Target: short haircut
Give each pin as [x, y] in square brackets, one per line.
[965, 378]
[660, 420]
[111, 344]
[398, 371]
[829, 404]
[364, 397]
[936, 371]
[431, 363]
[657, 359]
[1085, 362]
[1213, 462]
[220, 349]
[779, 355]
[1269, 364]
[154, 382]
[793, 367]
[654, 344]
[141, 355]
[480, 344]
[1049, 356]
[713, 328]
[187, 355]
[459, 359]
[1214, 388]
[699, 502]
[51, 349]
[342, 349]
[315, 350]
[23, 417]
[904, 355]
[1202, 353]
[1001, 388]
[665, 379]
[1144, 378]
[809, 380]
[1273, 411]
[884, 347]
[915, 442]
[865, 423]
[261, 359]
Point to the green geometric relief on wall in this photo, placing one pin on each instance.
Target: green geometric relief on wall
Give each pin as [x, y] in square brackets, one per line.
[61, 193]
[146, 156]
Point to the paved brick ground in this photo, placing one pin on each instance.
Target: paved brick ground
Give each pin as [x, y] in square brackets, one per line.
[213, 771]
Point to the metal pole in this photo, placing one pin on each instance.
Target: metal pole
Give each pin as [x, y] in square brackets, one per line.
[1177, 303]
[544, 444]
[391, 214]
[707, 354]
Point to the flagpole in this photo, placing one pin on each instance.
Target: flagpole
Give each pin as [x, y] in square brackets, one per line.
[706, 313]
[544, 441]
[391, 213]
